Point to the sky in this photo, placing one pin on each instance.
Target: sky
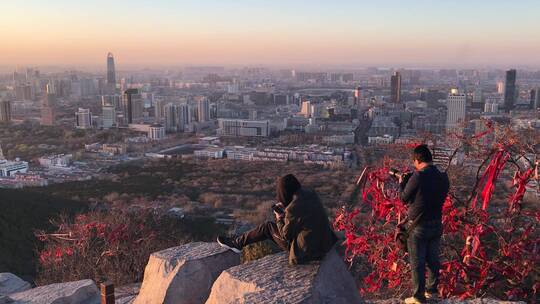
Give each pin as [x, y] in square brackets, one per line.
[271, 32]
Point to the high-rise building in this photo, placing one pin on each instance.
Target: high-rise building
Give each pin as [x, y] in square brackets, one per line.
[5, 111]
[158, 109]
[48, 106]
[170, 112]
[132, 105]
[510, 92]
[203, 110]
[156, 132]
[357, 95]
[532, 99]
[177, 116]
[306, 108]
[456, 109]
[537, 99]
[500, 87]
[109, 116]
[395, 87]
[478, 98]
[184, 117]
[83, 119]
[111, 73]
[239, 127]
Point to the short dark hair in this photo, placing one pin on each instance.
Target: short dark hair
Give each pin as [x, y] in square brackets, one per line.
[422, 154]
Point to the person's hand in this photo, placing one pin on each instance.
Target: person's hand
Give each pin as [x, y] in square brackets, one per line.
[279, 215]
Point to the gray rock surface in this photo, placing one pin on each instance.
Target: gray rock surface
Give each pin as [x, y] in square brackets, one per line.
[10, 283]
[5, 300]
[449, 301]
[272, 280]
[78, 292]
[126, 294]
[184, 274]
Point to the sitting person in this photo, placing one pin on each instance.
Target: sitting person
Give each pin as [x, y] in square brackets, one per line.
[301, 226]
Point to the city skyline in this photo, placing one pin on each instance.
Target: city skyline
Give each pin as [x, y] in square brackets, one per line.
[387, 33]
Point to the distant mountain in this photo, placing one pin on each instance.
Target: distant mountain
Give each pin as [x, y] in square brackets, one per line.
[21, 213]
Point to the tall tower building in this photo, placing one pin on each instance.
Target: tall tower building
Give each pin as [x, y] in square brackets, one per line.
[510, 92]
[357, 95]
[306, 108]
[395, 87]
[5, 111]
[456, 105]
[48, 106]
[132, 105]
[111, 72]
[183, 116]
[170, 112]
[203, 110]
[158, 109]
[83, 119]
[109, 116]
[537, 99]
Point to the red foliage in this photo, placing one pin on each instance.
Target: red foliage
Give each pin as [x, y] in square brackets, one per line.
[482, 253]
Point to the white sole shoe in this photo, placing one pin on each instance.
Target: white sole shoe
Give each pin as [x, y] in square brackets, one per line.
[235, 250]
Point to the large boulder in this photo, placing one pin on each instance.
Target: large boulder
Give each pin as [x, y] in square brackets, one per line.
[449, 301]
[78, 292]
[184, 274]
[272, 280]
[10, 283]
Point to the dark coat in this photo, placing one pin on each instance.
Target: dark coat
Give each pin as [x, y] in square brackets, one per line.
[306, 227]
[425, 193]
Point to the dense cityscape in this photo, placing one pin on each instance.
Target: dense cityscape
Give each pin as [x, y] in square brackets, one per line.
[247, 114]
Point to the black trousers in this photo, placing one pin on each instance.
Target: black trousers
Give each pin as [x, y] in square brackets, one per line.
[423, 245]
[265, 231]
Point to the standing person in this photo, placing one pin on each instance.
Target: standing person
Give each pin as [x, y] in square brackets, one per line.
[301, 227]
[424, 192]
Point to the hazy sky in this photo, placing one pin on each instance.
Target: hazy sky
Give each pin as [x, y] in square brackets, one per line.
[356, 32]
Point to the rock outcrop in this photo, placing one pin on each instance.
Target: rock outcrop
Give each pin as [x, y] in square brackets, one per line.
[184, 274]
[10, 283]
[450, 301]
[272, 280]
[78, 292]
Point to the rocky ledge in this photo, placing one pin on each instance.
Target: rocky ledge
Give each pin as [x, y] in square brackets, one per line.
[78, 292]
[272, 280]
[184, 274]
[206, 273]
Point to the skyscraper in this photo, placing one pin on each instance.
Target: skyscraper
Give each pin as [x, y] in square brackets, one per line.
[109, 116]
[83, 119]
[132, 105]
[455, 104]
[111, 72]
[537, 99]
[183, 117]
[306, 108]
[48, 106]
[5, 111]
[510, 92]
[203, 110]
[395, 87]
[170, 112]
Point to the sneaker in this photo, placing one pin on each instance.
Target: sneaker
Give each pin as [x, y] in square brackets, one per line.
[228, 243]
[414, 300]
[431, 295]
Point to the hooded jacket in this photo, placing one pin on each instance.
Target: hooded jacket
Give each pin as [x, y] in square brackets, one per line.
[305, 225]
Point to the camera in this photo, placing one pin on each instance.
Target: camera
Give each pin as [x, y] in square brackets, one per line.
[395, 173]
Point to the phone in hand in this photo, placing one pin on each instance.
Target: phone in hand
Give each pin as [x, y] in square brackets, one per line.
[278, 208]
